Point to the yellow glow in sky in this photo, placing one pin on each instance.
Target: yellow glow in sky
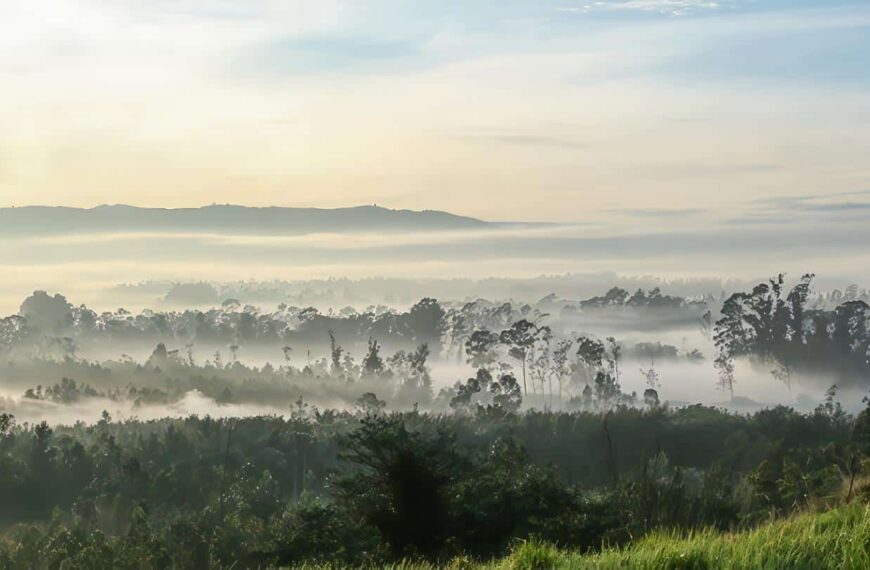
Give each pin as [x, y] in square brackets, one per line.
[533, 114]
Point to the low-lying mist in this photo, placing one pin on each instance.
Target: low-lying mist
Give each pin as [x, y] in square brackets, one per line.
[91, 263]
[679, 383]
[92, 410]
[62, 362]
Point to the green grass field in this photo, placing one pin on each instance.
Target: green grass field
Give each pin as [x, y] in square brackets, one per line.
[839, 538]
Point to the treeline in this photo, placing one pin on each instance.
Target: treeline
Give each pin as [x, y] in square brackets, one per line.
[619, 297]
[573, 373]
[51, 325]
[551, 361]
[167, 376]
[369, 487]
[523, 361]
[773, 325]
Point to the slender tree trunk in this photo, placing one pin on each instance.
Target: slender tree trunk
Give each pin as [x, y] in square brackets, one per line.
[525, 390]
[550, 382]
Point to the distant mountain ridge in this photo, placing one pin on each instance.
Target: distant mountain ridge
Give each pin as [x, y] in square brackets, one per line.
[227, 218]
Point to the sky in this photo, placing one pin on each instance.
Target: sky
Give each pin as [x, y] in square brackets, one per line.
[642, 112]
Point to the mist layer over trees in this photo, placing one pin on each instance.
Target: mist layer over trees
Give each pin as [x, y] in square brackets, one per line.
[596, 353]
[234, 435]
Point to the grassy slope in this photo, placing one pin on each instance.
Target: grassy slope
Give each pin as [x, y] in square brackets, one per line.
[839, 538]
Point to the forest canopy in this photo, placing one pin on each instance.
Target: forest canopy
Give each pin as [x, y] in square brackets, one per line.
[349, 442]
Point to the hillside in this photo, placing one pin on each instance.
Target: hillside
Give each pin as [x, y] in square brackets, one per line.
[839, 538]
[223, 218]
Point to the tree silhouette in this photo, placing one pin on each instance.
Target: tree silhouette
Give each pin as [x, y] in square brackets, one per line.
[519, 339]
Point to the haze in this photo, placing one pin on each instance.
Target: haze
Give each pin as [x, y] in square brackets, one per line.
[561, 110]
[446, 284]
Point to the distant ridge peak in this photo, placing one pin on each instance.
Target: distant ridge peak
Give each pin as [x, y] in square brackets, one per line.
[278, 220]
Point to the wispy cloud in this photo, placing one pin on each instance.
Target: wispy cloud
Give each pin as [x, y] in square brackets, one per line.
[839, 209]
[672, 7]
[335, 102]
[657, 212]
[837, 202]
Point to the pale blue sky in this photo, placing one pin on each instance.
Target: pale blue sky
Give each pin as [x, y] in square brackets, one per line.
[531, 110]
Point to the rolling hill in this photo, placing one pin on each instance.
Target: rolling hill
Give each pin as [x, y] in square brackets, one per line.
[226, 218]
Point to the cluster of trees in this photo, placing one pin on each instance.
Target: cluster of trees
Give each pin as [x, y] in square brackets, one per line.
[777, 326]
[167, 376]
[515, 355]
[367, 487]
[51, 325]
[829, 300]
[65, 392]
[618, 297]
[585, 368]
[518, 352]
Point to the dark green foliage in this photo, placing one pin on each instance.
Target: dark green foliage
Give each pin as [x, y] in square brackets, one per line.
[401, 481]
[480, 348]
[373, 364]
[336, 487]
[506, 497]
[764, 325]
